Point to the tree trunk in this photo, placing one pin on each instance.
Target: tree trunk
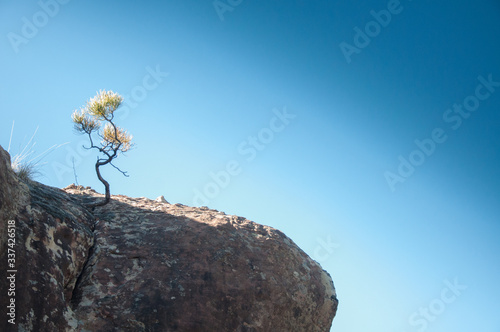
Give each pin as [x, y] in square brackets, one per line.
[107, 197]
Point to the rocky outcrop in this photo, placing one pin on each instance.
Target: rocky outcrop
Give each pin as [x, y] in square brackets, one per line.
[146, 265]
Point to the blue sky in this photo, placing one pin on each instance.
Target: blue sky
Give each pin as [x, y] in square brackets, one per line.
[308, 133]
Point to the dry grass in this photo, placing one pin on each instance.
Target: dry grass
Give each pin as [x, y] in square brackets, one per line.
[25, 164]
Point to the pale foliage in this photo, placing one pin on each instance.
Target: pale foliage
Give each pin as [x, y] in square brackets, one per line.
[83, 122]
[115, 137]
[103, 105]
[100, 109]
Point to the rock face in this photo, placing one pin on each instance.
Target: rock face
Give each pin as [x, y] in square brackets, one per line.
[142, 265]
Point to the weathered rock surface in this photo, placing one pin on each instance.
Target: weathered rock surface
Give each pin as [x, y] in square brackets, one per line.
[143, 265]
[53, 236]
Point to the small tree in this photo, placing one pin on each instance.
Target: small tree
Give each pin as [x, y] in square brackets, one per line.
[90, 119]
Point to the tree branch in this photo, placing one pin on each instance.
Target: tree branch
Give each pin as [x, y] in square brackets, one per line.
[124, 173]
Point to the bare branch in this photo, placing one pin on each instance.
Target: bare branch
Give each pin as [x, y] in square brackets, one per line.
[124, 173]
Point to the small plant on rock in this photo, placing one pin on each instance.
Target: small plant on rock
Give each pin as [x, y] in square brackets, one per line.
[24, 164]
[96, 118]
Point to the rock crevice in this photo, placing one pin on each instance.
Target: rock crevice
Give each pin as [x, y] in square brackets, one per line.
[76, 293]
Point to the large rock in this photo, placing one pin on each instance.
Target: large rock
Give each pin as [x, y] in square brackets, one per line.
[143, 265]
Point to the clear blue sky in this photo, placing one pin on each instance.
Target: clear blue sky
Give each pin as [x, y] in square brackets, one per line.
[315, 120]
